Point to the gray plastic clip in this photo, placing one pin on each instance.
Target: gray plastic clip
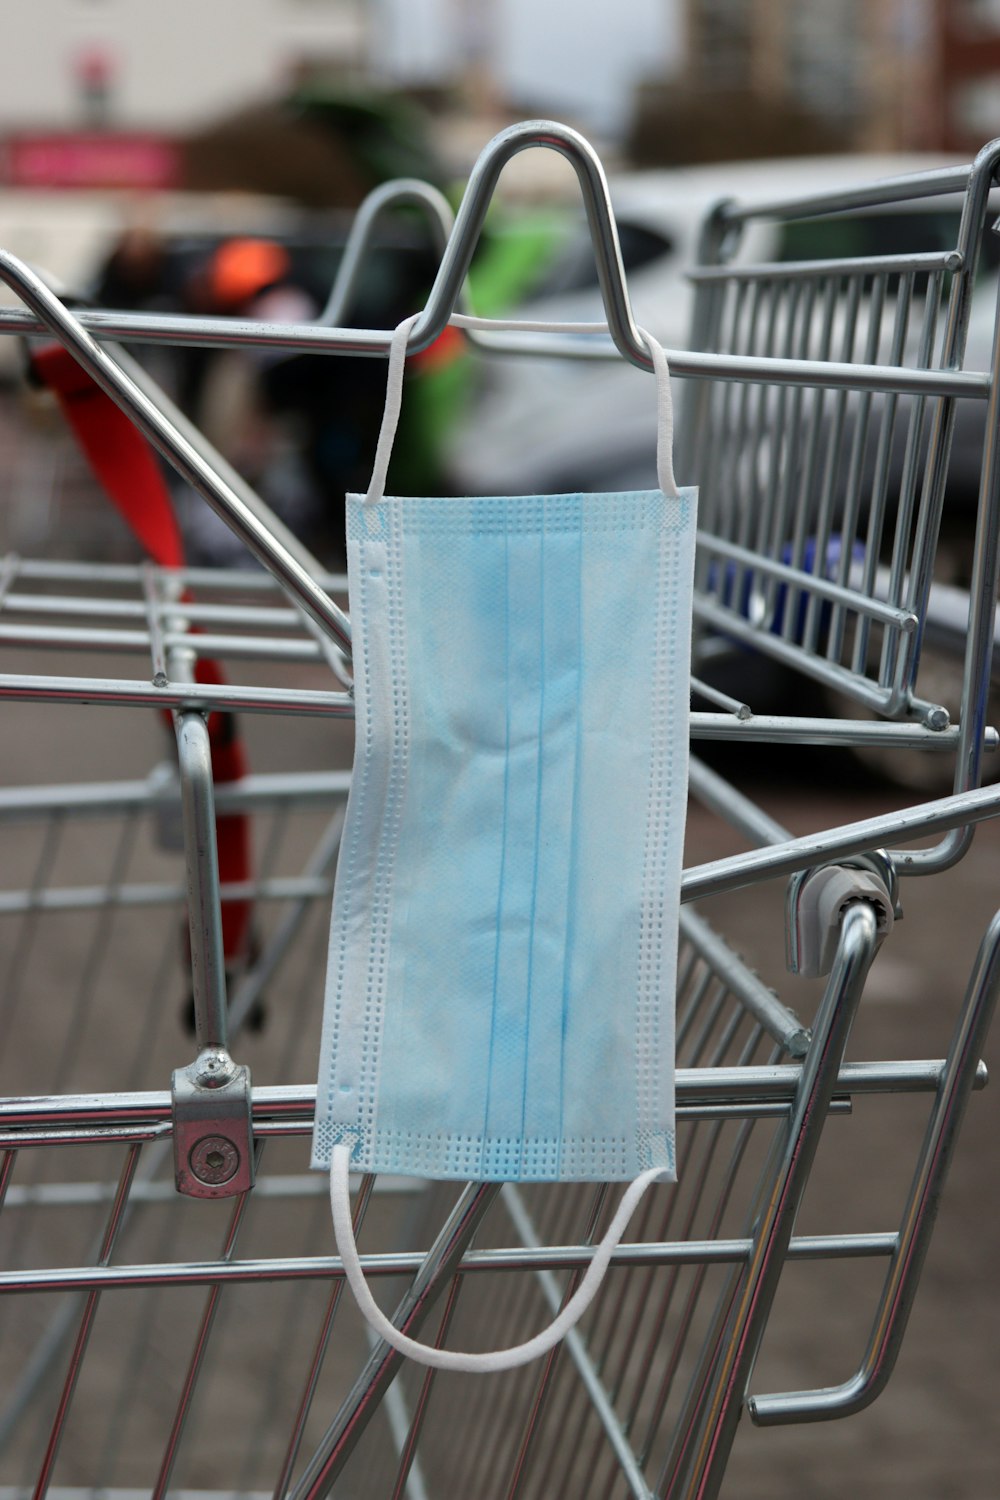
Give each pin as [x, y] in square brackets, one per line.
[817, 900]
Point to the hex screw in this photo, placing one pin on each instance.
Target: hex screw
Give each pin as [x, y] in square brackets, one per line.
[214, 1160]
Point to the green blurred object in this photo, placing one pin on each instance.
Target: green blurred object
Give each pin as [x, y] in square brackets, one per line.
[514, 252]
[387, 134]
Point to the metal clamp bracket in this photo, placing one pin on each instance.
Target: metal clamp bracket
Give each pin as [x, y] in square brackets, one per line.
[213, 1130]
[213, 1136]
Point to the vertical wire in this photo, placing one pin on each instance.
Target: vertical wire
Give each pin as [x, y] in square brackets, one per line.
[770, 421]
[880, 481]
[716, 1334]
[420, 1409]
[543, 1387]
[924, 516]
[796, 302]
[601, 1340]
[96, 952]
[907, 502]
[14, 970]
[700, 1273]
[563, 1384]
[319, 1353]
[874, 309]
[694, 982]
[645, 1281]
[824, 566]
[824, 291]
[740, 486]
[558, 1214]
[297, 1307]
[200, 1348]
[86, 1324]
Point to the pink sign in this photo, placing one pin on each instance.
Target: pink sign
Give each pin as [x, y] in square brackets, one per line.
[58, 160]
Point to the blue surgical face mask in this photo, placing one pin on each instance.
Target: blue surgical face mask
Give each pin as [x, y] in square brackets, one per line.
[502, 961]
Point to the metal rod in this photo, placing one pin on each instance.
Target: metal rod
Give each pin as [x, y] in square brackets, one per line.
[118, 693]
[850, 838]
[720, 1411]
[844, 267]
[319, 1353]
[184, 457]
[919, 1215]
[90, 1114]
[208, 967]
[729, 1251]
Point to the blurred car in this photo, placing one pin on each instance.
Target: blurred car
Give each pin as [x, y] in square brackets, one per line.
[562, 425]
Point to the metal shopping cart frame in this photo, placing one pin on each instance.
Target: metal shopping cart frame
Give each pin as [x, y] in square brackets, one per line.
[743, 1196]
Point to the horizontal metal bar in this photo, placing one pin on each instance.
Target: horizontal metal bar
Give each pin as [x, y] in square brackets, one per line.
[754, 369]
[96, 897]
[287, 1185]
[118, 693]
[810, 583]
[223, 333]
[786, 729]
[297, 1102]
[276, 789]
[257, 617]
[90, 638]
[238, 580]
[123, 693]
[794, 270]
[911, 185]
[738, 870]
[516, 1258]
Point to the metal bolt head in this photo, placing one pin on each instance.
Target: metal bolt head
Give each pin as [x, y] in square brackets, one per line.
[214, 1160]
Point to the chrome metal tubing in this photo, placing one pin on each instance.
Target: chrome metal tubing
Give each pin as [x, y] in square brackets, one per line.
[514, 1258]
[92, 1114]
[175, 447]
[762, 1003]
[930, 184]
[204, 696]
[919, 1215]
[294, 789]
[791, 270]
[703, 1448]
[738, 870]
[208, 966]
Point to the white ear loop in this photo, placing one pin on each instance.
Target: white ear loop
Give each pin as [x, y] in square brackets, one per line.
[394, 394]
[393, 404]
[493, 1361]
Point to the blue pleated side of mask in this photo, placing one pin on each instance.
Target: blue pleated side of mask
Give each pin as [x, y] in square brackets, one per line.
[503, 950]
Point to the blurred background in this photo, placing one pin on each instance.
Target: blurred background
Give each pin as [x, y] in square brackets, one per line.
[208, 156]
[137, 143]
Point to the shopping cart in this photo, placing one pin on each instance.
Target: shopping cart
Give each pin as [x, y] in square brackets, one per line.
[159, 1341]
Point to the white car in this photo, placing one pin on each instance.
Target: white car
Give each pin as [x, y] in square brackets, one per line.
[559, 426]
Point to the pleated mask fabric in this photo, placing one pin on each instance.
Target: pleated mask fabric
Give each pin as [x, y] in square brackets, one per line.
[500, 990]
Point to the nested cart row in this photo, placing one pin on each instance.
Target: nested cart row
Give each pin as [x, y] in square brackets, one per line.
[158, 1339]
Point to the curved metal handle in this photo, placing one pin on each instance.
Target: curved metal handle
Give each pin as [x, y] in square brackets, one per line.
[957, 1080]
[400, 193]
[472, 212]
